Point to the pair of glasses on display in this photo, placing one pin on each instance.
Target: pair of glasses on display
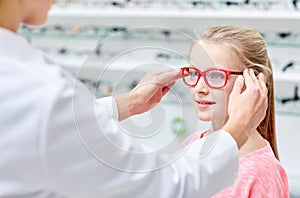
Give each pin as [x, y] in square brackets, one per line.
[258, 4]
[295, 4]
[100, 88]
[291, 99]
[74, 30]
[288, 104]
[282, 37]
[120, 32]
[239, 4]
[214, 78]
[68, 52]
[291, 66]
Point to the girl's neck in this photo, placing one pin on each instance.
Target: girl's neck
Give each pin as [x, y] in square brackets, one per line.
[217, 124]
[254, 142]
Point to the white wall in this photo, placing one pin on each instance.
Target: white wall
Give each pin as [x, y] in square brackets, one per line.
[288, 138]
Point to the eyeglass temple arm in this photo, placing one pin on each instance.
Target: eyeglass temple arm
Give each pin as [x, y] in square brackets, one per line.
[237, 73]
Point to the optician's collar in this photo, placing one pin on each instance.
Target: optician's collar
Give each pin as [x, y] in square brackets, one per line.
[15, 47]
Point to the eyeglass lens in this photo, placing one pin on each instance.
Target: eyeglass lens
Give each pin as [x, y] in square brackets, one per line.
[213, 78]
[216, 78]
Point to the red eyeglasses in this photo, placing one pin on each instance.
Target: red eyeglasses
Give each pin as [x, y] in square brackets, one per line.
[214, 78]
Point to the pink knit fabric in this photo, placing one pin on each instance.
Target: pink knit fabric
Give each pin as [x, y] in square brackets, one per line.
[260, 176]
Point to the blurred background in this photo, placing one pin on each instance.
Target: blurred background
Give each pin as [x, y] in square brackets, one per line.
[110, 45]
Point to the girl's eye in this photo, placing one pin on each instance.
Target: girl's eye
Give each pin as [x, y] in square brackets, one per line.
[216, 75]
[194, 73]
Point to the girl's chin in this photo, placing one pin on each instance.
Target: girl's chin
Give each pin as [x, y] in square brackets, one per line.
[204, 118]
[209, 118]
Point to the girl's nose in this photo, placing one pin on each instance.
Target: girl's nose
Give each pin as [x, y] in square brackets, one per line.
[201, 86]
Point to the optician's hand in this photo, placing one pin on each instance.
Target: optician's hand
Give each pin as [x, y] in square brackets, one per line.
[147, 93]
[246, 108]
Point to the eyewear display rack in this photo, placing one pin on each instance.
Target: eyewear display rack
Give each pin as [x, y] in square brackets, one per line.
[280, 28]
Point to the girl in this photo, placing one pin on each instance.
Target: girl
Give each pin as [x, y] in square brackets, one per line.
[232, 49]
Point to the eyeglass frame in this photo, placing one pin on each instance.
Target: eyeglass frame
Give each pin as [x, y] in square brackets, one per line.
[203, 73]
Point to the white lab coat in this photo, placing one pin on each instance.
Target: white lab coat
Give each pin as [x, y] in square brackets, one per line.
[42, 154]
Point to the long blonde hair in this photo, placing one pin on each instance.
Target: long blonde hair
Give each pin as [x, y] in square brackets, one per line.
[251, 49]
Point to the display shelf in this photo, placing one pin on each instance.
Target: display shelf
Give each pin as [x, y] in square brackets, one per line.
[173, 13]
[297, 114]
[284, 45]
[271, 20]
[176, 19]
[120, 38]
[287, 77]
[289, 44]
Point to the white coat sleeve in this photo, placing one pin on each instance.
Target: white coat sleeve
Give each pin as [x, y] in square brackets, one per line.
[85, 154]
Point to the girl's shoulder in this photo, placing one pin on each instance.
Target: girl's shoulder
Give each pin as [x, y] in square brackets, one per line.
[260, 175]
[261, 171]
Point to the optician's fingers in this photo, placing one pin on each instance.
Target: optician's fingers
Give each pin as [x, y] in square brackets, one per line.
[238, 86]
[259, 81]
[167, 88]
[262, 82]
[253, 76]
[159, 72]
[264, 90]
[250, 78]
[247, 77]
[161, 78]
[169, 76]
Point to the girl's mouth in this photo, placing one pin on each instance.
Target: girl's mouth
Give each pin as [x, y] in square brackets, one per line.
[204, 103]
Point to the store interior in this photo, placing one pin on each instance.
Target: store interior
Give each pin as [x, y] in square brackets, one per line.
[110, 45]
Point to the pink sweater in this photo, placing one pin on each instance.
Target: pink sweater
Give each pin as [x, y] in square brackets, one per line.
[260, 176]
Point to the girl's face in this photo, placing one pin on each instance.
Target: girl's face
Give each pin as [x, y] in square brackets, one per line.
[35, 11]
[211, 104]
